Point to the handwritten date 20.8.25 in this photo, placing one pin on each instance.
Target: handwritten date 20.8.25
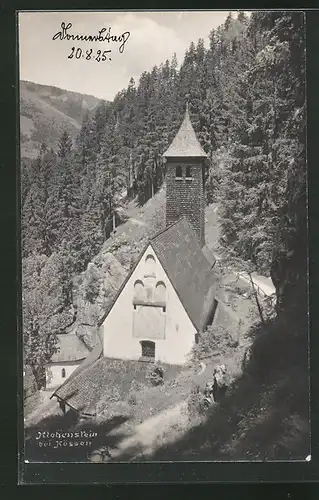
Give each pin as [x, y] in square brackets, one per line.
[90, 54]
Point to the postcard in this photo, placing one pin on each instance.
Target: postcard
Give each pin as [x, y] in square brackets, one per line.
[164, 236]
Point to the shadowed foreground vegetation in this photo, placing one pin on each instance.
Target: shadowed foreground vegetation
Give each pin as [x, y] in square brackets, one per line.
[265, 415]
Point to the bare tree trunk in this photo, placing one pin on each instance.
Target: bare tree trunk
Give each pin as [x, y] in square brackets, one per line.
[113, 221]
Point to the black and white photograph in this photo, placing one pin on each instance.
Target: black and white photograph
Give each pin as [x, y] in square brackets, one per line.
[164, 245]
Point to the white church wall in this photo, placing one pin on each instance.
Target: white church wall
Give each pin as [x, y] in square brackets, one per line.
[53, 373]
[172, 331]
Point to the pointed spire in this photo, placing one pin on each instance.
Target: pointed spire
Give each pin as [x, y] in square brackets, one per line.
[185, 143]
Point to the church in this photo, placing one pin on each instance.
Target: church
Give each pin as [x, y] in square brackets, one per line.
[169, 296]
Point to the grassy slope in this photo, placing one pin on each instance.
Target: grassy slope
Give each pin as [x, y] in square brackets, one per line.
[45, 112]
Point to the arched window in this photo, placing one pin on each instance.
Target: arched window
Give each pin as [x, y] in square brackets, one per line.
[150, 266]
[179, 172]
[148, 348]
[138, 290]
[63, 374]
[160, 292]
[188, 172]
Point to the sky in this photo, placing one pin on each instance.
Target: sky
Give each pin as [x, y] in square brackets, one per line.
[153, 38]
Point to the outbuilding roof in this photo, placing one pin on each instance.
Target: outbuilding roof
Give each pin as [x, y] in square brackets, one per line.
[66, 389]
[71, 348]
[80, 391]
[185, 143]
[83, 392]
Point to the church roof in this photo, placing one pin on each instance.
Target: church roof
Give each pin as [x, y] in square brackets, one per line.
[71, 348]
[185, 143]
[188, 269]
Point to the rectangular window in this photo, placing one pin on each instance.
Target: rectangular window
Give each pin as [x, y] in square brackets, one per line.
[188, 172]
[148, 349]
[179, 172]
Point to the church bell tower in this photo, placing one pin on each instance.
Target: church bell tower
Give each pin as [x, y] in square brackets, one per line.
[185, 189]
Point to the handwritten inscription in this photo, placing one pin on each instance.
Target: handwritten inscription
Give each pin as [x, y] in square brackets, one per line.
[89, 54]
[103, 35]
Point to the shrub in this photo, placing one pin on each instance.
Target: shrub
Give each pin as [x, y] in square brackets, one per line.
[213, 338]
[111, 396]
[92, 283]
[155, 374]
[132, 399]
[29, 383]
[195, 404]
[136, 385]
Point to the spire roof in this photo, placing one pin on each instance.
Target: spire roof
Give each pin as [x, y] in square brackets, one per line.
[185, 143]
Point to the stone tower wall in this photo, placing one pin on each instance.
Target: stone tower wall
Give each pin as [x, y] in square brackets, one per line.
[186, 197]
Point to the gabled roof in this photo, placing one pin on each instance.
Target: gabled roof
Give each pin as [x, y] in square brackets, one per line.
[185, 143]
[71, 348]
[188, 269]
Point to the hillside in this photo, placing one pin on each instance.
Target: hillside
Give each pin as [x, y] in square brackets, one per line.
[45, 112]
[138, 421]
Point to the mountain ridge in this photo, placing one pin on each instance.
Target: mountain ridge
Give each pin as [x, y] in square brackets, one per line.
[46, 111]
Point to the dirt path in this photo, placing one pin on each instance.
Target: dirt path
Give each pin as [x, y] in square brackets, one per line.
[137, 222]
[151, 433]
[154, 431]
[263, 283]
